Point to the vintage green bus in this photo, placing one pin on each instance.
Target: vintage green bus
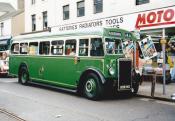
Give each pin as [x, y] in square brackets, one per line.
[88, 61]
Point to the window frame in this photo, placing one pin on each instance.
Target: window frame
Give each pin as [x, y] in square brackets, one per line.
[75, 49]
[13, 47]
[45, 17]
[86, 47]
[36, 52]
[66, 12]
[63, 47]
[102, 42]
[33, 2]
[27, 45]
[80, 8]
[43, 51]
[2, 28]
[96, 5]
[33, 17]
[140, 2]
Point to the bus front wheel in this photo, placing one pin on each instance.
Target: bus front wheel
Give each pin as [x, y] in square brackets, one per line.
[93, 88]
[23, 76]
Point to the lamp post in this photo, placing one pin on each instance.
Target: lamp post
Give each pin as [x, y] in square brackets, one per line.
[163, 42]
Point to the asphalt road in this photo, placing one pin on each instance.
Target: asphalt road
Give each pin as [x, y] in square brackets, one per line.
[36, 103]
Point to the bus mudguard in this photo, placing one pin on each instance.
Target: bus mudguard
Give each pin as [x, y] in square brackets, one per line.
[103, 80]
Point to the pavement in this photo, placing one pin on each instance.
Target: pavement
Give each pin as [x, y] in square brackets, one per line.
[145, 90]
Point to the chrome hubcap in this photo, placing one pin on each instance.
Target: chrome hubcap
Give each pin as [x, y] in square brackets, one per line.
[90, 85]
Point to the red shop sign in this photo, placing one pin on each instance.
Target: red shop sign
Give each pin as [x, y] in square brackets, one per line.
[155, 18]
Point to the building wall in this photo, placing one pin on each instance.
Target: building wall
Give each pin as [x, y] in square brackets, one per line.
[18, 24]
[37, 8]
[110, 8]
[7, 27]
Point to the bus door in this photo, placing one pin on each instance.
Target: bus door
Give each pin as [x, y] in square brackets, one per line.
[89, 52]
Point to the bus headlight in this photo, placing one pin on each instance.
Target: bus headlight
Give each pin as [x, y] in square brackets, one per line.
[111, 71]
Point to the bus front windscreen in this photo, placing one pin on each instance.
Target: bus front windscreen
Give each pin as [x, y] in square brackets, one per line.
[113, 46]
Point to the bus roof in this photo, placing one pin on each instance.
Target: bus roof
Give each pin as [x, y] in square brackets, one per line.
[100, 31]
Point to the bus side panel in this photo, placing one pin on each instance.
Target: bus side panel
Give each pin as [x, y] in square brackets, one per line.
[86, 63]
[14, 63]
[60, 71]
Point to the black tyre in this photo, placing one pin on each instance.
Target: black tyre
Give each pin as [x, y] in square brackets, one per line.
[92, 87]
[23, 76]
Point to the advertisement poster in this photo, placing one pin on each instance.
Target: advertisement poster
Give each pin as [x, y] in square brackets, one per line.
[128, 48]
[147, 47]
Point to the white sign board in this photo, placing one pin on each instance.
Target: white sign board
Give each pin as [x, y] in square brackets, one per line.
[158, 18]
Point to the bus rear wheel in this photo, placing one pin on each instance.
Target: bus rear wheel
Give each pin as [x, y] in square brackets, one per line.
[93, 88]
[23, 76]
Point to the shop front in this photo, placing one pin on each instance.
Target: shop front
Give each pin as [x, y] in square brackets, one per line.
[159, 24]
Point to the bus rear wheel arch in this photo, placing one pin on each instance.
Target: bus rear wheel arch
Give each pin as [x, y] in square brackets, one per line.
[92, 87]
[23, 75]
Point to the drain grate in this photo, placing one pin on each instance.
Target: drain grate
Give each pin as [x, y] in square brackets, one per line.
[12, 116]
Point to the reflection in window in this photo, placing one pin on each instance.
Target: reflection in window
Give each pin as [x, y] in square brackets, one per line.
[15, 48]
[83, 47]
[96, 47]
[23, 48]
[57, 47]
[70, 47]
[33, 48]
[44, 48]
[113, 46]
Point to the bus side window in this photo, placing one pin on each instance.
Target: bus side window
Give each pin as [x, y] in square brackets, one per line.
[70, 47]
[83, 47]
[44, 48]
[15, 48]
[96, 47]
[33, 48]
[23, 48]
[57, 47]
